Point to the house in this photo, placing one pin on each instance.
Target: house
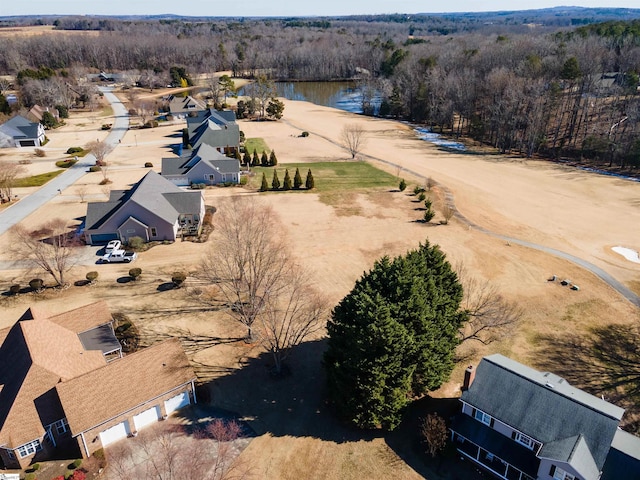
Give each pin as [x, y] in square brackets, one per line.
[65, 383]
[20, 132]
[153, 209]
[181, 106]
[216, 128]
[205, 165]
[522, 424]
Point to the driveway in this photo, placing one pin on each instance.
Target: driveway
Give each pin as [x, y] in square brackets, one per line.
[29, 204]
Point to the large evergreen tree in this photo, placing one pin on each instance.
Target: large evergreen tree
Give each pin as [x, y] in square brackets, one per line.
[264, 186]
[393, 337]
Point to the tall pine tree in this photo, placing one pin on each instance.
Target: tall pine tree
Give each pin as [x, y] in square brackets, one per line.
[393, 337]
[256, 160]
[247, 158]
[264, 159]
[273, 160]
[275, 183]
[264, 186]
[310, 182]
[286, 185]
[297, 180]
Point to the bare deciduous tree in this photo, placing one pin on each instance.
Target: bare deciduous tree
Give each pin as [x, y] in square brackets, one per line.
[434, 433]
[491, 316]
[353, 138]
[163, 453]
[50, 248]
[82, 192]
[286, 321]
[248, 264]
[255, 279]
[100, 150]
[8, 173]
[144, 108]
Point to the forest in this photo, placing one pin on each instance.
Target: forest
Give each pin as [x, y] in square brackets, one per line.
[560, 84]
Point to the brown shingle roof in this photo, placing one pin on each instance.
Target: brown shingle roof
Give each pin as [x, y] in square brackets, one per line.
[100, 395]
[84, 318]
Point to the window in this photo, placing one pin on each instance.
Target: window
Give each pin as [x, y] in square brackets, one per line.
[10, 454]
[522, 439]
[483, 417]
[61, 426]
[154, 232]
[560, 474]
[29, 448]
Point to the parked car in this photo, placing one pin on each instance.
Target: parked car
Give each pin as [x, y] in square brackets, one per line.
[113, 245]
[119, 256]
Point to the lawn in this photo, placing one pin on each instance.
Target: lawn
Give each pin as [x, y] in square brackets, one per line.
[36, 180]
[331, 176]
[257, 144]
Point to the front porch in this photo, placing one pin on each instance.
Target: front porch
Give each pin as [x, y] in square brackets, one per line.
[487, 460]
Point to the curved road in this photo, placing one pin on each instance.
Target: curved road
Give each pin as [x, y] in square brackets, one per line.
[607, 278]
[29, 204]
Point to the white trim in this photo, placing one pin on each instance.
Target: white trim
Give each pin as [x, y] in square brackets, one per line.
[193, 389]
[84, 443]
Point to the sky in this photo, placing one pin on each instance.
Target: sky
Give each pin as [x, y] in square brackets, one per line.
[249, 8]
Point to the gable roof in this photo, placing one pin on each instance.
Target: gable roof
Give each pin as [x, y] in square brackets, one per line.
[204, 153]
[20, 127]
[571, 423]
[220, 118]
[41, 350]
[184, 104]
[105, 393]
[150, 194]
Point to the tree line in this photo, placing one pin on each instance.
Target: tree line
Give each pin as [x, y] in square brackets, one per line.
[531, 90]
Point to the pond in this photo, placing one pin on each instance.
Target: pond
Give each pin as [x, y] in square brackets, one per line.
[342, 95]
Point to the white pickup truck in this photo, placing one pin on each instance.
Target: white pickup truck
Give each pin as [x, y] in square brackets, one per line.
[119, 256]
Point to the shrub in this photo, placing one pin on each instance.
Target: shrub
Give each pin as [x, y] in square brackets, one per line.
[136, 243]
[148, 164]
[135, 273]
[178, 278]
[14, 289]
[198, 186]
[428, 204]
[273, 160]
[72, 150]
[94, 168]
[243, 180]
[422, 196]
[40, 152]
[76, 463]
[70, 162]
[418, 190]
[92, 276]
[106, 126]
[264, 159]
[304, 134]
[104, 181]
[30, 476]
[428, 215]
[35, 467]
[403, 185]
[36, 284]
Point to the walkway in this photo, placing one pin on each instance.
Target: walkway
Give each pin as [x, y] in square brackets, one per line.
[29, 204]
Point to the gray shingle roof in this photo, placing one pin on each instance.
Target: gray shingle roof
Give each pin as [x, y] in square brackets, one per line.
[204, 153]
[545, 407]
[20, 127]
[149, 193]
[574, 451]
[623, 460]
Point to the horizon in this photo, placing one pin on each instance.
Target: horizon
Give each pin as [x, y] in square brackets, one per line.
[255, 8]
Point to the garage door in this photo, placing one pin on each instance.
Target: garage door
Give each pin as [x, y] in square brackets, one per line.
[147, 417]
[103, 238]
[115, 433]
[179, 401]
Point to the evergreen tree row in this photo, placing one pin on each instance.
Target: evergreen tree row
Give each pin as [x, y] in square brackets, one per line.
[263, 160]
[287, 183]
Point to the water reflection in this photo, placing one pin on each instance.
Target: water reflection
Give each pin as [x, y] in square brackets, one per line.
[342, 95]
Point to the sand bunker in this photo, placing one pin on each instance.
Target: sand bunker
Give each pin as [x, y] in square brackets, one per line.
[627, 253]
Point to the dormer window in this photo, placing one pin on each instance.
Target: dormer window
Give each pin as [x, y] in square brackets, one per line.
[560, 474]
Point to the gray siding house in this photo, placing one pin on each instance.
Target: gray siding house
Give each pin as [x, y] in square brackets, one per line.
[153, 209]
[181, 106]
[21, 132]
[522, 424]
[205, 166]
[216, 128]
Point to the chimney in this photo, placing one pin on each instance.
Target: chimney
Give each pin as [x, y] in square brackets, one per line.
[469, 375]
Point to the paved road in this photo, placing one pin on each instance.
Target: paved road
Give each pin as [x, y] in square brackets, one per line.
[606, 277]
[29, 204]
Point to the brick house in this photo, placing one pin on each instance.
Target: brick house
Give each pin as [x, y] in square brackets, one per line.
[522, 424]
[65, 382]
